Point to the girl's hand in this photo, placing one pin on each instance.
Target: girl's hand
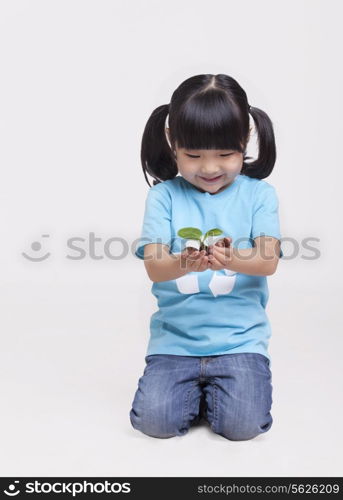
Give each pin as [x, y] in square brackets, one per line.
[193, 260]
[220, 254]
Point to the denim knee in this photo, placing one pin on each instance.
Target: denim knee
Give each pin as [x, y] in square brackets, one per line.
[243, 431]
[153, 425]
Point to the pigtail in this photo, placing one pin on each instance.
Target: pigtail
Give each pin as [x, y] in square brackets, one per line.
[156, 156]
[264, 163]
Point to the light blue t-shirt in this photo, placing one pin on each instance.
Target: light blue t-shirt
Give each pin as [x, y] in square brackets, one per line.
[211, 312]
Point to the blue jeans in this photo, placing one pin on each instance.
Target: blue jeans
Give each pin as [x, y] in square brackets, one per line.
[233, 392]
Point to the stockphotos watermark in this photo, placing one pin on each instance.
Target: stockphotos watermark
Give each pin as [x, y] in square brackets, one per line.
[93, 247]
[71, 488]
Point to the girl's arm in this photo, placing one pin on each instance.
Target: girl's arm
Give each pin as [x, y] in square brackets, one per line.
[163, 266]
[160, 264]
[261, 260]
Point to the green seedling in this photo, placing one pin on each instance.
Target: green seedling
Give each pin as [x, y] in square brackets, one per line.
[193, 233]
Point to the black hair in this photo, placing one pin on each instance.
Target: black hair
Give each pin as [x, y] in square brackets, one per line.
[206, 112]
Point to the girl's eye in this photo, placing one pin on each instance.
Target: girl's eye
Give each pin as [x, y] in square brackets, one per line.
[195, 156]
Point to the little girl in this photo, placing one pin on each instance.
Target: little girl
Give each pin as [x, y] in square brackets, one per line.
[208, 351]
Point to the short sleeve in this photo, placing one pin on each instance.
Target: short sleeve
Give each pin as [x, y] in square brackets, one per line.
[265, 221]
[156, 221]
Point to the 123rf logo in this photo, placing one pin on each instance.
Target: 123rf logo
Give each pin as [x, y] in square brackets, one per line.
[73, 488]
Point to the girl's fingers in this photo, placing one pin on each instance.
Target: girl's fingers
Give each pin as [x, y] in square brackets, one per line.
[193, 259]
[214, 263]
[188, 257]
[194, 255]
[221, 257]
[201, 263]
[202, 260]
[196, 260]
[204, 263]
[205, 259]
[187, 252]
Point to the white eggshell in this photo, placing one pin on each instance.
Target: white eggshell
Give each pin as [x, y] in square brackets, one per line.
[193, 243]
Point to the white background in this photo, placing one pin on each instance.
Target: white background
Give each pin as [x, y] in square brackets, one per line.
[79, 80]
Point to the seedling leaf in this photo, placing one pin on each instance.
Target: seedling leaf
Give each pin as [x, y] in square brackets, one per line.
[190, 233]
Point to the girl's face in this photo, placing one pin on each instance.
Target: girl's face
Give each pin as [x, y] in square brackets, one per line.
[209, 170]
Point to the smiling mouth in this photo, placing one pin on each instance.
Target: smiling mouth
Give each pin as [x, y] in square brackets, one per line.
[212, 179]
